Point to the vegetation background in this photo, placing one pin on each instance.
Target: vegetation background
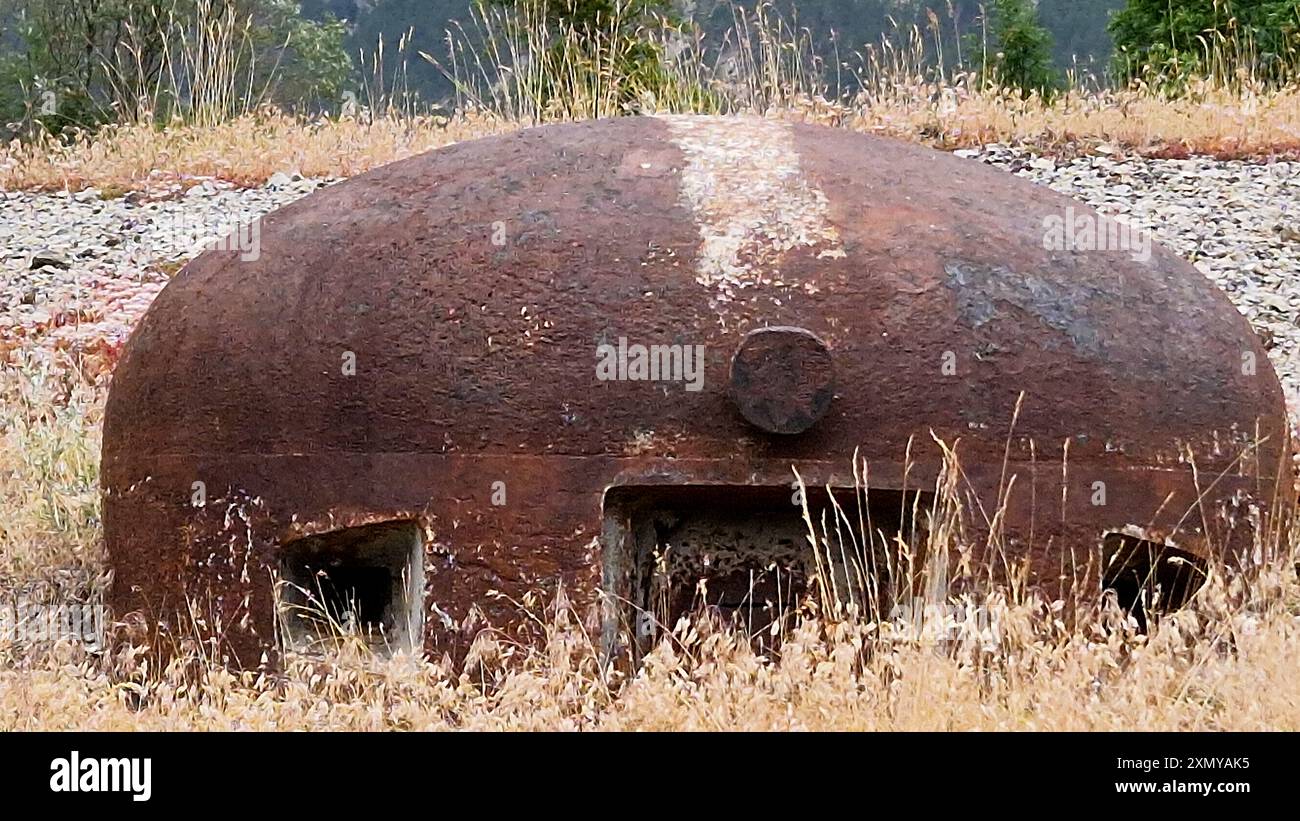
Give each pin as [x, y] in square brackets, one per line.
[86, 62]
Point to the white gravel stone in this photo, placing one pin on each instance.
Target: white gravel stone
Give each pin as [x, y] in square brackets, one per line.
[77, 271]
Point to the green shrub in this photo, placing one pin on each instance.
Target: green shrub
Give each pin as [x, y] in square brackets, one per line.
[1016, 51]
[618, 41]
[85, 62]
[1227, 41]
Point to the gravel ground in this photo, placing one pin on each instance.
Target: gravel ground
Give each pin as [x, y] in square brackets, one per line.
[78, 270]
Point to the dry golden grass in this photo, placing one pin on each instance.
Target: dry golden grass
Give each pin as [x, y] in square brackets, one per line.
[1206, 669]
[1215, 122]
[49, 474]
[517, 67]
[246, 150]
[249, 149]
[1226, 662]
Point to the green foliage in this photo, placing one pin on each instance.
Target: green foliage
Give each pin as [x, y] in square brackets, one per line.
[619, 43]
[839, 30]
[1228, 41]
[59, 74]
[314, 68]
[595, 15]
[1017, 49]
[83, 62]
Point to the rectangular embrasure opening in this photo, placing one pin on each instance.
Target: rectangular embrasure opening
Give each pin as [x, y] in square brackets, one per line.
[1149, 577]
[740, 553]
[364, 581]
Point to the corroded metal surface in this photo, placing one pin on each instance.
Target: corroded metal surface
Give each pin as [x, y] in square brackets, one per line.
[782, 379]
[426, 342]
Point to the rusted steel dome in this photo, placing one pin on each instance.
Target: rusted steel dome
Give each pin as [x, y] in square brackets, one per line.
[473, 372]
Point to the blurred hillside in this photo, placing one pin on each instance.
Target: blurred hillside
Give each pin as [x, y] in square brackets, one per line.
[1078, 27]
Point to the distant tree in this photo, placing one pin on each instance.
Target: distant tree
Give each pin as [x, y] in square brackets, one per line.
[1016, 50]
[617, 42]
[83, 62]
[1226, 40]
[589, 15]
[313, 66]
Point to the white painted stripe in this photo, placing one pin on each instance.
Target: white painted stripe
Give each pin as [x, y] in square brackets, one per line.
[751, 201]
